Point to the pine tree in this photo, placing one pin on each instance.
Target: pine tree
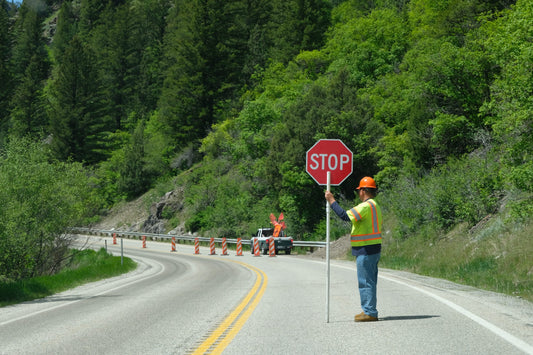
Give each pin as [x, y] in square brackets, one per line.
[186, 102]
[29, 38]
[146, 31]
[28, 115]
[206, 48]
[77, 122]
[67, 27]
[133, 176]
[5, 70]
[110, 42]
[297, 25]
[30, 70]
[90, 11]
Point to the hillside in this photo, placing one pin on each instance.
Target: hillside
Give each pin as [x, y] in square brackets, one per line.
[492, 255]
[219, 101]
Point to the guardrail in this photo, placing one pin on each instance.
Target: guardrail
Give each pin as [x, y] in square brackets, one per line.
[190, 238]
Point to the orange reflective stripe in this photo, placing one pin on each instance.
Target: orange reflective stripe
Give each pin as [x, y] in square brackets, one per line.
[375, 224]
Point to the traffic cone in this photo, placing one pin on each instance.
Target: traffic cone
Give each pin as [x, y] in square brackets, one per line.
[271, 247]
[196, 246]
[239, 247]
[173, 244]
[224, 246]
[212, 246]
[256, 248]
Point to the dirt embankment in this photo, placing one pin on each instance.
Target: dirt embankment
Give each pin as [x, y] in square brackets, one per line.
[338, 249]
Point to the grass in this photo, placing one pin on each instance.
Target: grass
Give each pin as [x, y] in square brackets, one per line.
[85, 266]
[496, 258]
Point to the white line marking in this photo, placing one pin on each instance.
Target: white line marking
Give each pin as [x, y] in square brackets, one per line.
[519, 343]
[522, 345]
[162, 268]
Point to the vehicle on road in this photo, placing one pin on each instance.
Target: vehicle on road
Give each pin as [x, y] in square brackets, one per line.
[281, 242]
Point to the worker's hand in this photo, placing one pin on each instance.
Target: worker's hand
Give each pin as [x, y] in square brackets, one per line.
[329, 197]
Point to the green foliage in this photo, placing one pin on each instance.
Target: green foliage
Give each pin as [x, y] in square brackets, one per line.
[432, 97]
[509, 110]
[495, 257]
[465, 190]
[133, 176]
[367, 46]
[39, 200]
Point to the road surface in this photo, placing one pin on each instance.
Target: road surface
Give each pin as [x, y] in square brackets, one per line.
[180, 303]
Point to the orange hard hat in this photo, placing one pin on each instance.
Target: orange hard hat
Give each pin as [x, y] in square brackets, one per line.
[367, 182]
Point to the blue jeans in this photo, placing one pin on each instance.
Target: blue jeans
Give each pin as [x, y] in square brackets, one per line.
[367, 276]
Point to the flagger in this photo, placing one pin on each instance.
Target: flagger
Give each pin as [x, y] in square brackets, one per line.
[365, 239]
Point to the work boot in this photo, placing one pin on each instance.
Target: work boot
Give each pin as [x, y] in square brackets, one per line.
[363, 317]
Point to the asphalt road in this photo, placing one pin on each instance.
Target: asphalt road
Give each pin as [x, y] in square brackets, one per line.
[180, 303]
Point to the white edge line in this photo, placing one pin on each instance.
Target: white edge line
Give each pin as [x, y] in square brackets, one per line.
[519, 343]
[82, 299]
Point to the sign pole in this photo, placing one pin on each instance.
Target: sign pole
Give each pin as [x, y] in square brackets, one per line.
[328, 162]
[327, 248]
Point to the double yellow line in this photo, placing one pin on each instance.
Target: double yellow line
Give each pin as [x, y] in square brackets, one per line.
[224, 334]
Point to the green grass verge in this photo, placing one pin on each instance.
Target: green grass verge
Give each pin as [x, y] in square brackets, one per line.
[497, 258]
[84, 266]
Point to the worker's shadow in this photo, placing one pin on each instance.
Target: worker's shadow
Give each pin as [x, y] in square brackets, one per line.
[389, 318]
[405, 317]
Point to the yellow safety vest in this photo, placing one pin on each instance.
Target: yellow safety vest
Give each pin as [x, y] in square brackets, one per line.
[366, 224]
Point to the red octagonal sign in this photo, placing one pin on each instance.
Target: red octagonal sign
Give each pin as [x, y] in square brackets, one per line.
[329, 155]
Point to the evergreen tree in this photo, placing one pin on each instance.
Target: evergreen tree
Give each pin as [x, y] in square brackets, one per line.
[77, 122]
[30, 70]
[29, 40]
[67, 26]
[28, 115]
[297, 25]
[127, 42]
[146, 32]
[192, 80]
[5, 70]
[90, 11]
[109, 40]
[133, 178]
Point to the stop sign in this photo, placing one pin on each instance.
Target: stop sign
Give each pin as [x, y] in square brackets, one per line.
[329, 155]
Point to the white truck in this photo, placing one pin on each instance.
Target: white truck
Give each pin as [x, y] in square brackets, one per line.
[281, 242]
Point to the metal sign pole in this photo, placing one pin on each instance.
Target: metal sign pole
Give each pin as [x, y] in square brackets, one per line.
[327, 249]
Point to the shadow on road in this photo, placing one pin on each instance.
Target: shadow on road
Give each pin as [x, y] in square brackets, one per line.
[405, 317]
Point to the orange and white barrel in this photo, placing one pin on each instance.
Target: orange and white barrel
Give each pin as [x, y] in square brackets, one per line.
[271, 247]
[224, 246]
[212, 246]
[239, 247]
[196, 246]
[256, 248]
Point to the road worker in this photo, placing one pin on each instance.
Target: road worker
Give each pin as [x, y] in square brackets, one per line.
[366, 243]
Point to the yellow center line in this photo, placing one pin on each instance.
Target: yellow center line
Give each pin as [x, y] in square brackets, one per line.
[237, 317]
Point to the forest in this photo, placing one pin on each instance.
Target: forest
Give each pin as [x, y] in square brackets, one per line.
[102, 101]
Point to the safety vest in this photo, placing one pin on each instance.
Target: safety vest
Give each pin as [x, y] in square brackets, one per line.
[366, 224]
